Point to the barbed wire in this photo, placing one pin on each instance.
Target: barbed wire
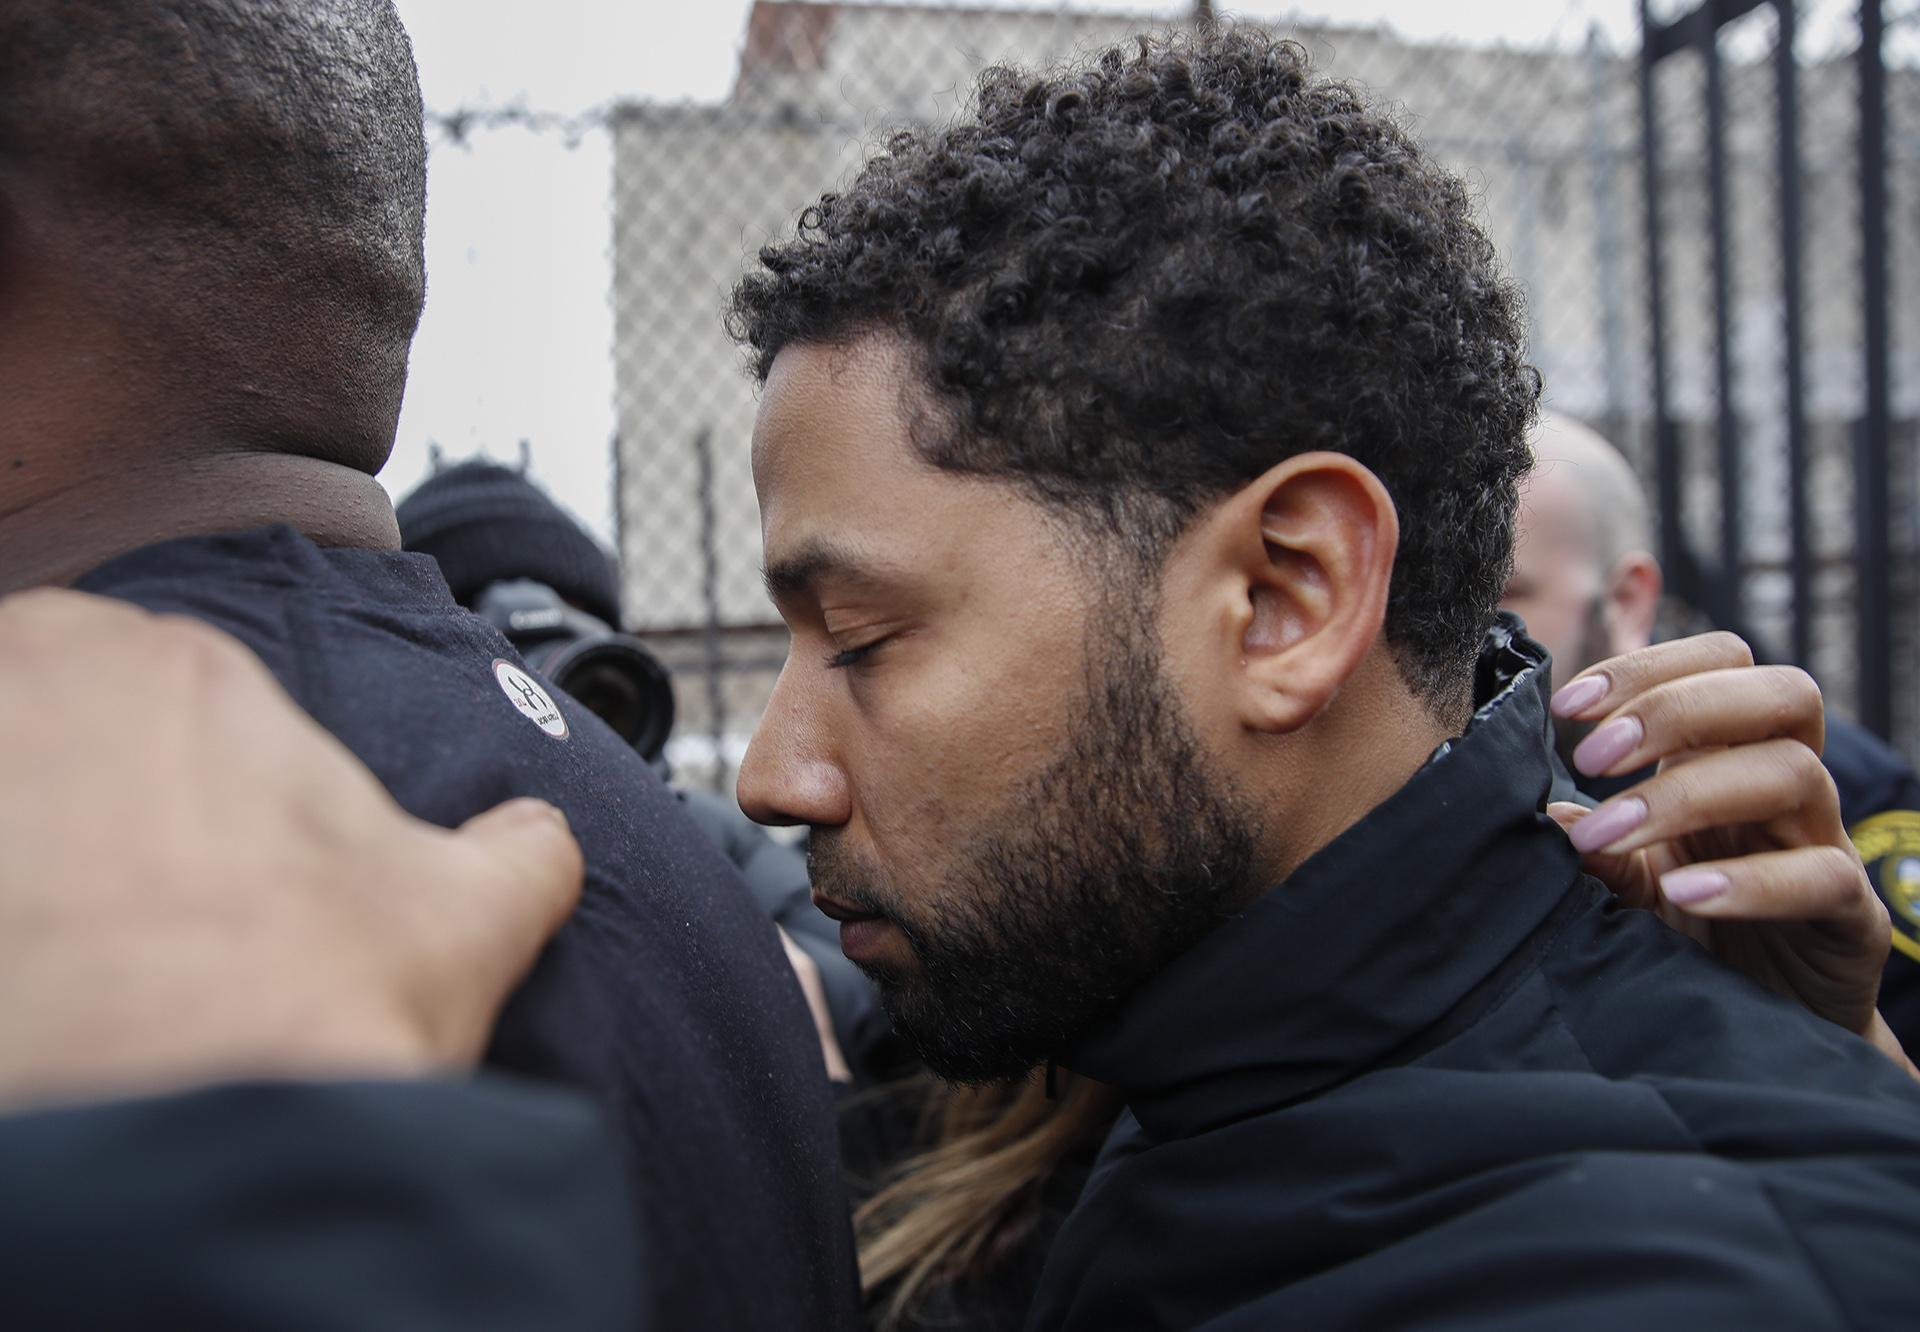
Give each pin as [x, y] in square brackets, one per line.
[457, 126]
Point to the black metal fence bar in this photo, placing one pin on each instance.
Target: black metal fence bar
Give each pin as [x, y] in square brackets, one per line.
[1661, 40]
[1793, 302]
[1726, 607]
[1871, 473]
[1666, 442]
[1698, 29]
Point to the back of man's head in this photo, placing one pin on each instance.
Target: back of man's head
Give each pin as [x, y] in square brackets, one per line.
[1591, 490]
[1139, 285]
[1585, 579]
[234, 190]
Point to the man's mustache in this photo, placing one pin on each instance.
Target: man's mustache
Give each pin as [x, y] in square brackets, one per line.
[836, 872]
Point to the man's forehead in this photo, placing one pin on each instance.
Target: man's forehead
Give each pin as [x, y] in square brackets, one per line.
[846, 500]
[832, 398]
[833, 453]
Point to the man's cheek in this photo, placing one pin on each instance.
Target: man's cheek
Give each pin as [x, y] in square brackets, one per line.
[912, 804]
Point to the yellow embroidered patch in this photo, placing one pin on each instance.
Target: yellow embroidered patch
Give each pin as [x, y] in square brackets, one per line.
[1889, 843]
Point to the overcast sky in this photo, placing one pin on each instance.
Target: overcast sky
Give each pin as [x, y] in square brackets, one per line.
[515, 340]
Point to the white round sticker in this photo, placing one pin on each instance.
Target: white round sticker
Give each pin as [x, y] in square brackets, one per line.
[530, 697]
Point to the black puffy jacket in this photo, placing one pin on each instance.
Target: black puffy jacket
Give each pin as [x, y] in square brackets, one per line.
[1439, 1079]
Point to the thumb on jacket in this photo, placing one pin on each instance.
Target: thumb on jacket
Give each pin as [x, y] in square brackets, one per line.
[515, 879]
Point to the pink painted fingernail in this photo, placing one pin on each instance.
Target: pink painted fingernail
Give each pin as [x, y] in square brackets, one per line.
[1686, 887]
[1579, 695]
[1608, 745]
[1607, 825]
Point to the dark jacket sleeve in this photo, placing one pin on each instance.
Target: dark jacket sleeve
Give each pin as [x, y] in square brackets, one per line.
[460, 1205]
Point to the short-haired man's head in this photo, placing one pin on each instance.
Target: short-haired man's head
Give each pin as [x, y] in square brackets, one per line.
[1589, 486]
[1138, 285]
[246, 180]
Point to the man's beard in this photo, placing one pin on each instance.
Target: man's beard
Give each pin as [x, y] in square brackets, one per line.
[1595, 647]
[1118, 857]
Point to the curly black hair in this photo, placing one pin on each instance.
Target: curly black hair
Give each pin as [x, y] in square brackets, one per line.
[1137, 284]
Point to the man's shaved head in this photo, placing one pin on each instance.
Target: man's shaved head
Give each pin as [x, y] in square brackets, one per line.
[236, 185]
[1590, 489]
[1584, 576]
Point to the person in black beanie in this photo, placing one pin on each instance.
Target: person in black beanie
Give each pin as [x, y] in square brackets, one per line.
[484, 523]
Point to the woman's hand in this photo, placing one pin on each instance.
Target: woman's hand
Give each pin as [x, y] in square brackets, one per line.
[1737, 840]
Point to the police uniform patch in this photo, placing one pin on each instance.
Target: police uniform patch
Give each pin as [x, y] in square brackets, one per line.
[1889, 843]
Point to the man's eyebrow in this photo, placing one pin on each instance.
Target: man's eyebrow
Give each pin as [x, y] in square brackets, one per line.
[800, 571]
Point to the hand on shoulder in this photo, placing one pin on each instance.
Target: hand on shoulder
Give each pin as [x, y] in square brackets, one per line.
[202, 884]
[1737, 840]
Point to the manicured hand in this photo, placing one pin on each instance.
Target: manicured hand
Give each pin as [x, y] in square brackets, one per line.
[1737, 839]
[198, 883]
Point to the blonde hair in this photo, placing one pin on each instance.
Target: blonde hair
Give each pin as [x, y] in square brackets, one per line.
[962, 1206]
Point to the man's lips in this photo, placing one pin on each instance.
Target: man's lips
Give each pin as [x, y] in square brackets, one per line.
[840, 911]
[864, 935]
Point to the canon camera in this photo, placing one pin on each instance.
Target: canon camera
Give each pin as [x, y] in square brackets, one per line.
[611, 674]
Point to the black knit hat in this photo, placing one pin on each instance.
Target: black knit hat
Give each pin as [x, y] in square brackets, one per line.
[484, 523]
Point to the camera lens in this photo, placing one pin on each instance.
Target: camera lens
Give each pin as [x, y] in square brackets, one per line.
[620, 682]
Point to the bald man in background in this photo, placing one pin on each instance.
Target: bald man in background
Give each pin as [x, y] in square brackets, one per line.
[1589, 587]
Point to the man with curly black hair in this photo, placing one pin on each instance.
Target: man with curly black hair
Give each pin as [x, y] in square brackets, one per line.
[1137, 461]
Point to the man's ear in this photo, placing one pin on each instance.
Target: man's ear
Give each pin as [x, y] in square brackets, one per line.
[1310, 544]
[1633, 601]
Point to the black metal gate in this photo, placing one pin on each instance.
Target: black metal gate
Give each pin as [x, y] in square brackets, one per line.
[1718, 573]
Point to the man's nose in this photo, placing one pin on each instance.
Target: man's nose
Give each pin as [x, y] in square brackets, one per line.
[790, 775]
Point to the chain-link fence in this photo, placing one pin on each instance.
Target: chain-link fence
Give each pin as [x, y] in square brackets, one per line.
[1551, 140]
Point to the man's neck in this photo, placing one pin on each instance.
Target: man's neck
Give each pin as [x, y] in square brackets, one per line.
[1367, 744]
[54, 536]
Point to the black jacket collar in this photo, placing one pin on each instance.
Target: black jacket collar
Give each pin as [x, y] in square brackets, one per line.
[1371, 942]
